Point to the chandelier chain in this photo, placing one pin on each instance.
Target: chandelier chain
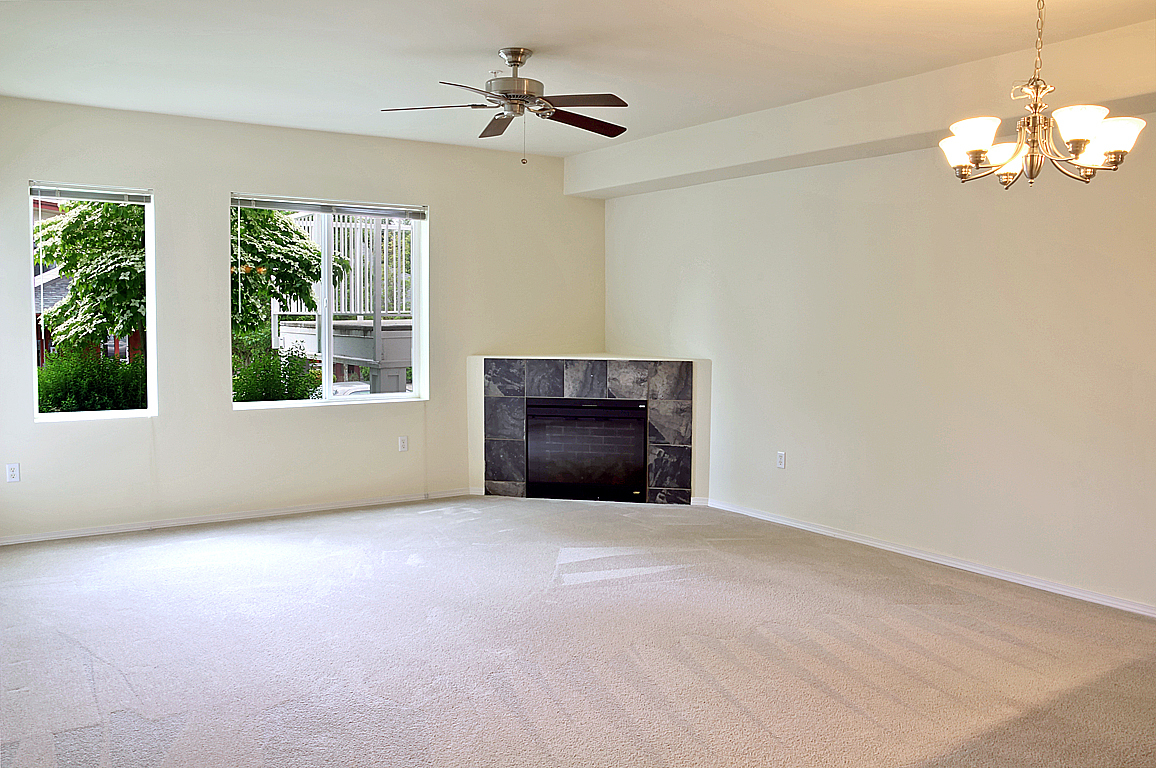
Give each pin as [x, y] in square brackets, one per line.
[1039, 38]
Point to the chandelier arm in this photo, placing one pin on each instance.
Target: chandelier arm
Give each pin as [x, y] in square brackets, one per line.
[983, 175]
[1049, 148]
[1072, 161]
[1021, 139]
[1021, 142]
[1013, 181]
[1068, 173]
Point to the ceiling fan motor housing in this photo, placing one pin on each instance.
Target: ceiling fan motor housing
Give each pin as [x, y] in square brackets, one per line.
[520, 88]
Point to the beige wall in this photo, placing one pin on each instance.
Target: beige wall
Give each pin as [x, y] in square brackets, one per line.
[958, 369]
[538, 288]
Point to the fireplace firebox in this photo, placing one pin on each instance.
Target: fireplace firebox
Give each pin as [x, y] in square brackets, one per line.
[586, 449]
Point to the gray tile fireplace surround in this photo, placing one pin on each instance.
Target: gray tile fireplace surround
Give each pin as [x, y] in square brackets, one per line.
[665, 385]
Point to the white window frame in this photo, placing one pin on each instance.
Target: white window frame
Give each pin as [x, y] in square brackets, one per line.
[419, 286]
[144, 198]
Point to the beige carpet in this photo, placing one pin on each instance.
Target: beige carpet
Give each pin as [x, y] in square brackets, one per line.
[513, 632]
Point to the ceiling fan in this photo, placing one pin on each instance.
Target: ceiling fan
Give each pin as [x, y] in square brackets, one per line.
[516, 96]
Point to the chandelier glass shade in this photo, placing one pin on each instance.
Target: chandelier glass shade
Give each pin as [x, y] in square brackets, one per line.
[1094, 141]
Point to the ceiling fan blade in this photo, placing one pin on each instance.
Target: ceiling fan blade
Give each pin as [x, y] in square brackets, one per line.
[497, 126]
[587, 123]
[586, 100]
[495, 96]
[444, 106]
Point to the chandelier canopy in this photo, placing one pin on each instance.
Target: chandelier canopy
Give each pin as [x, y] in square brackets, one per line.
[1095, 142]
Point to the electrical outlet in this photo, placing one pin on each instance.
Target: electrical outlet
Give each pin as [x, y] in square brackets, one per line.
[781, 462]
[12, 472]
[403, 443]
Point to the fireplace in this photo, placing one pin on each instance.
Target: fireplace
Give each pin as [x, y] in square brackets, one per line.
[650, 402]
[586, 449]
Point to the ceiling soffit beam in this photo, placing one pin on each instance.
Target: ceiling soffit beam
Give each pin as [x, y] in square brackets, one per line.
[1116, 68]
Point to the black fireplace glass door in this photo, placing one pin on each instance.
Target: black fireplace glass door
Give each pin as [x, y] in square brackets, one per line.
[586, 449]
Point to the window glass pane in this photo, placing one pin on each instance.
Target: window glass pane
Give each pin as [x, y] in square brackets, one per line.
[372, 331]
[277, 300]
[323, 302]
[89, 286]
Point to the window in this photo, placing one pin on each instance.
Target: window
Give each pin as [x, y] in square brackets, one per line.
[327, 301]
[92, 300]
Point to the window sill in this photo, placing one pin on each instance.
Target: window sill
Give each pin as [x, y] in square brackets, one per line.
[46, 418]
[260, 405]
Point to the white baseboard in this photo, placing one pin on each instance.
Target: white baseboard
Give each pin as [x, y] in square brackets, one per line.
[964, 565]
[227, 517]
[450, 494]
[700, 501]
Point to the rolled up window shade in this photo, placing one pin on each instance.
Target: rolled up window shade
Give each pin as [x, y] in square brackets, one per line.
[99, 194]
[326, 206]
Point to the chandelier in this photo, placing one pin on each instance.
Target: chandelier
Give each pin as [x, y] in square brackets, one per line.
[1095, 142]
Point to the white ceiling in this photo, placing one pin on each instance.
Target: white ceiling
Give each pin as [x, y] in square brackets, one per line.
[332, 65]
